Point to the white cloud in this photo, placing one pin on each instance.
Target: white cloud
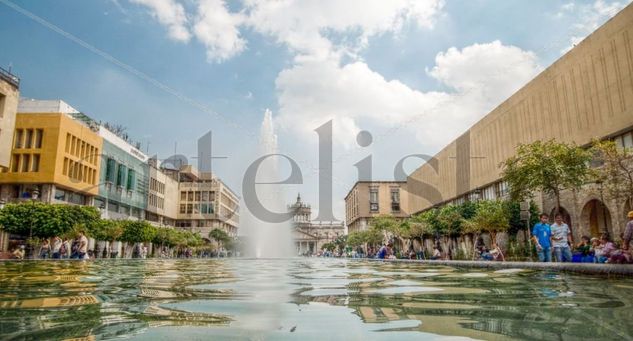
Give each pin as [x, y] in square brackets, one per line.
[482, 75]
[303, 25]
[218, 30]
[170, 14]
[590, 17]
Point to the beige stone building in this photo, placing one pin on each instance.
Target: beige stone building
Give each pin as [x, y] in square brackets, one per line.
[9, 98]
[586, 94]
[205, 203]
[163, 194]
[369, 199]
[308, 235]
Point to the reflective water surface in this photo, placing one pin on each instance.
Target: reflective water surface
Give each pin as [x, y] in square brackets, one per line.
[304, 299]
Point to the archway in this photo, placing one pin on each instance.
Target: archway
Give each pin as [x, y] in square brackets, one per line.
[597, 218]
[566, 216]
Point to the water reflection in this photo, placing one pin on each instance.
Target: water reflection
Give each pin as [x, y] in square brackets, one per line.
[304, 298]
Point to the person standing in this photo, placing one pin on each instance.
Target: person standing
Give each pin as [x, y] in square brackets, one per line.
[45, 249]
[561, 239]
[64, 251]
[82, 247]
[56, 247]
[541, 234]
[628, 233]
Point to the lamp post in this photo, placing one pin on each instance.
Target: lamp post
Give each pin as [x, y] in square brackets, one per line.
[34, 195]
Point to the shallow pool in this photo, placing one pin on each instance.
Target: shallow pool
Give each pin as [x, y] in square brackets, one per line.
[305, 299]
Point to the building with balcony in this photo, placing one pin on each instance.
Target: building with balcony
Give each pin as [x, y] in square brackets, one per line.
[54, 157]
[369, 199]
[308, 235]
[9, 97]
[586, 94]
[162, 200]
[205, 203]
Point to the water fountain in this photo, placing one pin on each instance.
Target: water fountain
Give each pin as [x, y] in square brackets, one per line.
[266, 239]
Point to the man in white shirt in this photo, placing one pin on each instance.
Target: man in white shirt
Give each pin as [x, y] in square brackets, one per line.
[561, 239]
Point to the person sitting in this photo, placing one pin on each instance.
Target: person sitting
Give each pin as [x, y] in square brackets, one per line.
[385, 251]
[18, 253]
[583, 252]
[496, 253]
[481, 251]
[437, 252]
[605, 249]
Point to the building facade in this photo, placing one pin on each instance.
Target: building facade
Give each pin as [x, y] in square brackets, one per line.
[162, 200]
[54, 158]
[205, 203]
[586, 94]
[9, 97]
[309, 236]
[369, 199]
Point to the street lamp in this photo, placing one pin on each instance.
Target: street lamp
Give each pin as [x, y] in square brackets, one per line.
[34, 195]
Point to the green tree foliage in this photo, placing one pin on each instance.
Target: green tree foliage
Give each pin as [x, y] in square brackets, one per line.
[46, 220]
[220, 236]
[329, 247]
[491, 216]
[449, 220]
[616, 172]
[137, 231]
[549, 167]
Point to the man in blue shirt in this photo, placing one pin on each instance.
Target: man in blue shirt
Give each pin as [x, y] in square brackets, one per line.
[541, 235]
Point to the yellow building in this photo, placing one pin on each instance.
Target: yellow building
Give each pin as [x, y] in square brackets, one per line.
[54, 157]
[586, 94]
[9, 96]
[369, 199]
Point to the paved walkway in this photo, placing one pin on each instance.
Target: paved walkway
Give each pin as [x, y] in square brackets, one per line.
[584, 268]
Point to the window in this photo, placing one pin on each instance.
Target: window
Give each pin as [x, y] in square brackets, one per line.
[190, 196]
[627, 140]
[120, 178]
[35, 165]
[395, 200]
[197, 196]
[110, 168]
[189, 208]
[26, 162]
[67, 143]
[15, 163]
[205, 196]
[373, 199]
[28, 139]
[18, 138]
[38, 138]
[183, 208]
[60, 195]
[183, 196]
[131, 179]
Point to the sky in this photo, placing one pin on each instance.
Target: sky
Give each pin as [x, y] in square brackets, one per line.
[414, 74]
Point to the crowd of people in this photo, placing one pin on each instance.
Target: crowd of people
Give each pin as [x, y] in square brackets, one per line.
[58, 248]
[555, 242]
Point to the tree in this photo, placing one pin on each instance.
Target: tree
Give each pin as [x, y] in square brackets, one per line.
[220, 236]
[329, 247]
[139, 231]
[616, 172]
[355, 239]
[549, 167]
[44, 220]
[491, 216]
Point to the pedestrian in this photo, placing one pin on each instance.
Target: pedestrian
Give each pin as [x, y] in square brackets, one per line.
[82, 247]
[561, 239]
[628, 233]
[541, 235]
[56, 247]
[45, 249]
[18, 253]
[64, 251]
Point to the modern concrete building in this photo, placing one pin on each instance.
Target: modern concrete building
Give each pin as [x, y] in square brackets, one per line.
[162, 201]
[369, 199]
[308, 235]
[205, 203]
[54, 157]
[9, 96]
[586, 94]
[124, 180]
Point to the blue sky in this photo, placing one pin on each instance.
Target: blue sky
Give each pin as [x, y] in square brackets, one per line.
[413, 73]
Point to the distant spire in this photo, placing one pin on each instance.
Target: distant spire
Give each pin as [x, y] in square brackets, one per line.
[298, 197]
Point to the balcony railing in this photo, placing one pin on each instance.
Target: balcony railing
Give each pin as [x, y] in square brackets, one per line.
[9, 77]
